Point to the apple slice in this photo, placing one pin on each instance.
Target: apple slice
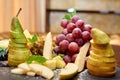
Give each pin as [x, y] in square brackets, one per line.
[80, 59]
[68, 72]
[47, 50]
[42, 70]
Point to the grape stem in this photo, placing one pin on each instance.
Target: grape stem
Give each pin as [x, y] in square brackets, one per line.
[18, 12]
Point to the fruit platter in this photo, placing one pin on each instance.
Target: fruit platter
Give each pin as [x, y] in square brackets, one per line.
[79, 52]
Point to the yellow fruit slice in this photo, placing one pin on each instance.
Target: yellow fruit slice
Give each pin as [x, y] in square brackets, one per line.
[98, 63]
[80, 59]
[47, 50]
[102, 58]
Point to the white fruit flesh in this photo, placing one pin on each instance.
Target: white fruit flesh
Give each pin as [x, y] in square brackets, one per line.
[42, 70]
[80, 59]
[47, 51]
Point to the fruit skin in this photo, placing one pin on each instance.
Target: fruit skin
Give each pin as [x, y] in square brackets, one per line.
[68, 72]
[99, 37]
[101, 61]
[64, 23]
[105, 50]
[102, 58]
[18, 50]
[16, 26]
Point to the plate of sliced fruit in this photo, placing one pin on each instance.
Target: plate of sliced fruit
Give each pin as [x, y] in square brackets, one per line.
[79, 52]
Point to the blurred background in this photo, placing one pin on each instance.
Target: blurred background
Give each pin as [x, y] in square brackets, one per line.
[45, 15]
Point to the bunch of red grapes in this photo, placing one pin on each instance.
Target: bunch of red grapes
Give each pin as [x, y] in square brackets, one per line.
[74, 35]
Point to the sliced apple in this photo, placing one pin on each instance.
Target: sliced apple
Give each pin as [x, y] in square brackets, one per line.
[80, 59]
[42, 70]
[68, 72]
[47, 50]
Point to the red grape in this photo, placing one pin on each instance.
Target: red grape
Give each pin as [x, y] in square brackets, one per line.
[76, 33]
[69, 37]
[87, 27]
[67, 59]
[73, 47]
[80, 24]
[74, 57]
[56, 49]
[65, 32]
[75, 18]
[86, 35]
[79, 41]
[70, 27]
[64, 23]
[59, 38]
[64, 45]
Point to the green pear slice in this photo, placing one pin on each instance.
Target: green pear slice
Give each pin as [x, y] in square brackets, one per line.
[17, 44]
[98, 63]
[19, 40]
[42, 70]
[68, 72]
[80, 59]
[14, 34]
[15, 25]
[47, 50]
[99, 37]
[102, 58]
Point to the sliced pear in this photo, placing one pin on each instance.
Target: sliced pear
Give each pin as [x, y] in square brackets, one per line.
[17, 44]
[20, 40]
[42, 70]
[47, 50]
[18, 71]
[30, 73]
[27, 34]
[99, 37]
[68, 72]
[100, 68]
[101, 74]
[80, 59]
[14, 34]
[4, 43]
[24, 66]
[98, 63]
[59, 62]
[107, 52]
[50, 64]
[102, 58]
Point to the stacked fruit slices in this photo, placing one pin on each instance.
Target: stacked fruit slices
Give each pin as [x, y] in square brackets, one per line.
[74, 35]
[18, 51]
